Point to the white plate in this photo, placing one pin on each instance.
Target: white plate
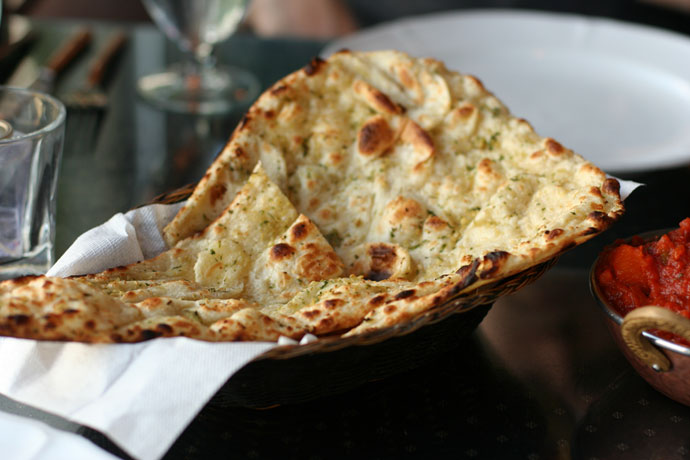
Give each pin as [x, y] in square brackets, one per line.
[617, 93]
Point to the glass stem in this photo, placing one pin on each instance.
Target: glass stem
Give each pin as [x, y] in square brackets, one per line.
[198, 64]
[203, 59]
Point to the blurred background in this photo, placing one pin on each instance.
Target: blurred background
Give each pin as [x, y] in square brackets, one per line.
[329, 18]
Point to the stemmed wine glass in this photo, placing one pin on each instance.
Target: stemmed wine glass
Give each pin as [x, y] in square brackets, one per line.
[198, 85]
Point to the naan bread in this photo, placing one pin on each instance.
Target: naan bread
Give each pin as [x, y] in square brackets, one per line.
[60, 309]
[357, 193]
[409, 169]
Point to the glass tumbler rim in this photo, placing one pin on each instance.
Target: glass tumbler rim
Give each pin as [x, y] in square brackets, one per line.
[52, 100]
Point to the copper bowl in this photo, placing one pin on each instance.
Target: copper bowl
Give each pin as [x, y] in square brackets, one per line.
[663, 364]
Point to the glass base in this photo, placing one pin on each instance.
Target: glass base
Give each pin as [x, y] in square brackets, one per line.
[36, 263]
[215, 90]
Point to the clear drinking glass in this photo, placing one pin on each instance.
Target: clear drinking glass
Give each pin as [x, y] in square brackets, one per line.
[198, 85]
[31, 132]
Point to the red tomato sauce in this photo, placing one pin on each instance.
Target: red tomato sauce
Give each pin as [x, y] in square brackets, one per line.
[638, 273]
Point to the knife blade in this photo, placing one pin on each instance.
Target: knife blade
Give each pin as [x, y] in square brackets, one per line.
[20, 36]
[42, 78]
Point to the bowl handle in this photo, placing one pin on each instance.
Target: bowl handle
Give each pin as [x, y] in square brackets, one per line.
[652, 317]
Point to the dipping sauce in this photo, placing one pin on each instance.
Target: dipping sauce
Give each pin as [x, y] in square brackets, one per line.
[640, 272]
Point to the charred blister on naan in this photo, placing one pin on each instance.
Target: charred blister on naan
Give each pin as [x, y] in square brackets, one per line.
[269, 114]
[589, 231]
[19, 325]
[279, 89]
[217, 192]
[240, 154]
[170, 326]
[387, 261]
[377, 100]
[405, 294]
[332, 304]
[551, 235]
[382, 260]
[553, 147]
[329, 315]
[611, 187]
[434, 224]
[464, 111]
[600, 219]
[311, 313]
[374, 137]
[596, 191]
[377, 300]
[536, 155]
[468, 276]
[468, 272]
[282, 251]
[314, 66]
[300, 231]
[492, 263]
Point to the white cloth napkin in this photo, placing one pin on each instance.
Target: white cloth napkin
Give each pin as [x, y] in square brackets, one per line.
[25, 439]
[142, 396]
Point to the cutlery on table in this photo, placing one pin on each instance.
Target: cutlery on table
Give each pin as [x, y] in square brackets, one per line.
[91, 93]
[19, 37]
[86, 105]
[42, 77]
[44, 81]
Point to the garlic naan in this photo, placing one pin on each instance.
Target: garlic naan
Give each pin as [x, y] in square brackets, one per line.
[387, 184]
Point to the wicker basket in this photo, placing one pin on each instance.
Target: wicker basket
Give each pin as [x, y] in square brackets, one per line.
[331, 365]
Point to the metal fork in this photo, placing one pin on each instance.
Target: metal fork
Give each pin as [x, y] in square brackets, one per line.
[87, 105]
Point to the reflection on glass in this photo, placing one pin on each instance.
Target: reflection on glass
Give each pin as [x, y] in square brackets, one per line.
[198, 85]
[31, 130]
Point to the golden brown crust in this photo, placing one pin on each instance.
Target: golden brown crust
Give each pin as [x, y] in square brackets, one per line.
[374, 137]
[388, 185]
[60, 309]
[376, 99]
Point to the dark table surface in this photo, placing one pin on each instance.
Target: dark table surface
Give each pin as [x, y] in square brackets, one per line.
[540, 378]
